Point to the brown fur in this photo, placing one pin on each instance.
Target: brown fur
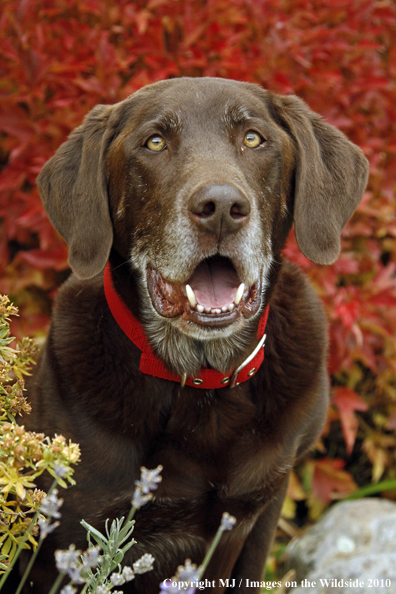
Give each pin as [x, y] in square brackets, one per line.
[222, 450]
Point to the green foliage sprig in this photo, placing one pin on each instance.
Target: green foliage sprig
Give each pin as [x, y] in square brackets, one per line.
[24, 455]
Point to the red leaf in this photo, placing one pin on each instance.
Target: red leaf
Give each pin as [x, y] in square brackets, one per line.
[347, 401]
[55, 257]
[329, 479]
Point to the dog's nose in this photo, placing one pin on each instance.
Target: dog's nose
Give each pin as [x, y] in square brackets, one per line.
[219, 208]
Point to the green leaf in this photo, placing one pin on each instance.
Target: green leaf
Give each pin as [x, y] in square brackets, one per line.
[126, 547]
[5, 549]
[99, 538]
[116, 561]
[388, 485]
[126, 532]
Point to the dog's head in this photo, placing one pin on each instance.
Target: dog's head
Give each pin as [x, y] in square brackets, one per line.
[196, 182]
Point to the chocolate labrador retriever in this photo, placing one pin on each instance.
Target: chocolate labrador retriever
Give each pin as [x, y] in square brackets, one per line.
[176, 204]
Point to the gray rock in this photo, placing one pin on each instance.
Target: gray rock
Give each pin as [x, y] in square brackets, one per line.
[351, 547]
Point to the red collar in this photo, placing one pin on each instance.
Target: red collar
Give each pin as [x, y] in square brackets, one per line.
[150, 364]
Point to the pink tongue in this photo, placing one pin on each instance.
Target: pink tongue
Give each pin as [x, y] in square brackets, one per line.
[214, 283]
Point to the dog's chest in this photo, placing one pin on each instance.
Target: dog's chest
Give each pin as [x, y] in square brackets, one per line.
[212, 446]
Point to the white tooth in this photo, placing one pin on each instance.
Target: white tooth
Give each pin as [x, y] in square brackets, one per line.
[208, 310]
[200, 308]
[230, 307]
[191, 296]
[224, 308]
[239, 293]
[216, 311]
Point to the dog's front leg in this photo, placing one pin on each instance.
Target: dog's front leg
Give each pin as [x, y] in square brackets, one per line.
[250, 564]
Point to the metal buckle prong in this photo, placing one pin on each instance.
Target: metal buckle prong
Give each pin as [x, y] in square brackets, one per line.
[237, 371]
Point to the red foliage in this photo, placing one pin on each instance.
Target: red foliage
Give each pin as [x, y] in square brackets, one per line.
[60, 58]
[347, 401]
[330, 480]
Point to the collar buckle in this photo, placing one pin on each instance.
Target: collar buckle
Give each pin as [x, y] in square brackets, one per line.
[231, 381]
[234, 378]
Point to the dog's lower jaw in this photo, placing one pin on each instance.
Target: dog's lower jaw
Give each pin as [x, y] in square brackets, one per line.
[186, 355]
[186, 347]
[186, 351]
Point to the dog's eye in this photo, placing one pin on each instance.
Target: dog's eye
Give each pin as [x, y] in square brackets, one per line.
[156, 143]
[252, 139]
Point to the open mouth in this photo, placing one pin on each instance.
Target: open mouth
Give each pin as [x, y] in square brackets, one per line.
[212, 296]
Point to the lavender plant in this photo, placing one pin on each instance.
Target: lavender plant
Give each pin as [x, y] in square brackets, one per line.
[188, 576]
[101, 572]
[99, 567]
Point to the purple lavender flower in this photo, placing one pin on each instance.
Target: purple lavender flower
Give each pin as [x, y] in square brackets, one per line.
[128, 574]
[117, 579]
[139, 499]
[186, 576]
[227, 522]
[51, 504]
[46, 528]
[68, 590]
[169, 587]
[188, 572]
[60, 470]
[75, 575]
[149, 479]
[91, 557]
[145, 563]
[68, 561]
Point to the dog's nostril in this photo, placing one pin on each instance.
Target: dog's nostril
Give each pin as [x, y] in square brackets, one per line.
[239, 211]
[207, 209]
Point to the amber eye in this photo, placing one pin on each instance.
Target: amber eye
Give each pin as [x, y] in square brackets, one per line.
[156, 143]
[252, 139]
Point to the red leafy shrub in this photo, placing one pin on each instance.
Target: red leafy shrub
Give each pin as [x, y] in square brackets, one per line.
[58, 59]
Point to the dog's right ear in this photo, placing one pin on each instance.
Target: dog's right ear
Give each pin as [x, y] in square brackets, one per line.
[73, 189]
[330, 177]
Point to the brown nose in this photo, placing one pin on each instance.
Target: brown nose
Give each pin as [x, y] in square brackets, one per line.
[219, 208]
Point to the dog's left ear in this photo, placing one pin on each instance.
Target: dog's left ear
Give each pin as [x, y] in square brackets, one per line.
[73, 189]
[331, 176]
